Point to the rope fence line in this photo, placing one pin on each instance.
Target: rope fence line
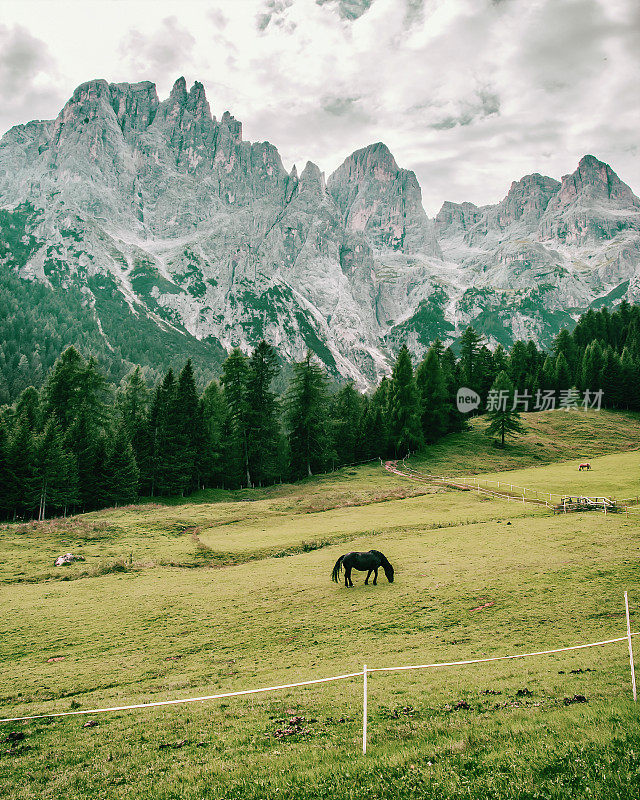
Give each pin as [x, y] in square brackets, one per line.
[502, 658]
[515, 492]
[187, 699]
[364, 673]
[467, 484]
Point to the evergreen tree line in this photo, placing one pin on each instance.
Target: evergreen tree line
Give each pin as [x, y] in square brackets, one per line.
[80, 443]
[602, 352]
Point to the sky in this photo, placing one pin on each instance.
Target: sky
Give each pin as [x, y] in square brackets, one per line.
[470, 94]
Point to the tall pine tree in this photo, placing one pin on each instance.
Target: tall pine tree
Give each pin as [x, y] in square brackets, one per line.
[434, 410]
[308, 419]
[263, 432]
[405, 430]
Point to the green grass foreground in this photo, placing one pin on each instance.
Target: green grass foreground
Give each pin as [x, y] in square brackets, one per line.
[228, 591]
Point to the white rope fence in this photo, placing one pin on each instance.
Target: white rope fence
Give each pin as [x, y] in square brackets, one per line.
[365, 672]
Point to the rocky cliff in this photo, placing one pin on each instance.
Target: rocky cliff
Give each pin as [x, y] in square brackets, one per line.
[163, 211]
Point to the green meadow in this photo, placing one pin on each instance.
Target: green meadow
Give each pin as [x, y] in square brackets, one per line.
[225, 591]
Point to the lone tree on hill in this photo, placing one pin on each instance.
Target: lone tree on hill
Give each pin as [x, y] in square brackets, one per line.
[504, 418]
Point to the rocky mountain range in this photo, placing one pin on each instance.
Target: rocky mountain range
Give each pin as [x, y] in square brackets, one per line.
[160, 214]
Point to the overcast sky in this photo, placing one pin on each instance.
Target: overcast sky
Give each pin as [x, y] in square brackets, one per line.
[471, 94]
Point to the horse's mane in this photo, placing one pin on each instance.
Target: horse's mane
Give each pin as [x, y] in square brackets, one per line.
[383, 559]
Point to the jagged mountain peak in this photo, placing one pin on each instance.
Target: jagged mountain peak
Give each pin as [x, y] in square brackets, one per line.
[179, 89]
[595, 180]
[163, 216]
[526, 201]
[380, 199]
[374, 161]
[312, 176]
[532, 182]
[194, 101]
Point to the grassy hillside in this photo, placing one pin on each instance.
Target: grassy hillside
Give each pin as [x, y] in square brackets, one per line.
[232, 591]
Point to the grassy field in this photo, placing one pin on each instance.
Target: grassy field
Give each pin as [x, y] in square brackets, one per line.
[228, 591]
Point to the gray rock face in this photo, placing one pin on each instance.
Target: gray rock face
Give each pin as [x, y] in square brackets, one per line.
[382, 202]
[541, 256]
[164, 208]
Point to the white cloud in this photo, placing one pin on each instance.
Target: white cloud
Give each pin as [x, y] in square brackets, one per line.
[472, 94]
[28, 76]
[167, 50]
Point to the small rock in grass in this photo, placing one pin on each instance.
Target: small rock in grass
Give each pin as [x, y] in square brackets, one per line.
[67, 558]
[93, 723]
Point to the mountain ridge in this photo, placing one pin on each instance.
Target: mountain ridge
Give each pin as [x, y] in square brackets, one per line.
[158, 208]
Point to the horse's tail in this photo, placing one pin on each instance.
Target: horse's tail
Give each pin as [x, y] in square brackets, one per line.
[336, 570]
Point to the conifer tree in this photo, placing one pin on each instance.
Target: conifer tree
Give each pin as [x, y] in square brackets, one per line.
[167, 443]
[308, 419]
[562, 373]
[564, 345]
[121, 471]
[405, 429]
[234, 383]
[470, 344]
[133, 404]
[629, 381]
[610, 377]
[376, 422]
[503, 420]
[81, 439]
[453, 381]
[500, 359]
[4, 471]
[55, 472]
[548, 374]
[434, 411]
[375, 432]
[485, 371]
[214, 412]
[99, 489]
[28, 406]
[592, 363]
[21, 489]
[347, 419]
[63, 391]
[263, 434]
[189, 430]
[518, 369]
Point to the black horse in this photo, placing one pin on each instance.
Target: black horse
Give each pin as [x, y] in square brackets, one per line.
[371, 561]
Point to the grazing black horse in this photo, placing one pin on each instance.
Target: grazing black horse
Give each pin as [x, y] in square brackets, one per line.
[370, 561]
